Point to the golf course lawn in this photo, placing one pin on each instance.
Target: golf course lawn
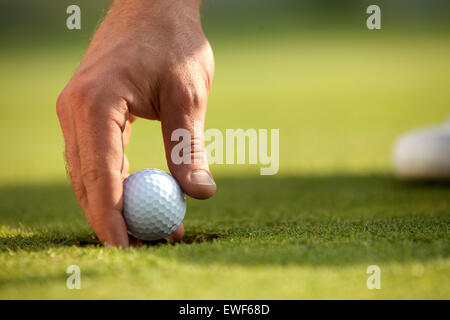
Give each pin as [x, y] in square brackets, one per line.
[310, 231]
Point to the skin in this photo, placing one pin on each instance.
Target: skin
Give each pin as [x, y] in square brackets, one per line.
[148, 59]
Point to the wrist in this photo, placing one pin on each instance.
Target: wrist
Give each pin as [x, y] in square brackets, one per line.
[139, 14]
[162, 7]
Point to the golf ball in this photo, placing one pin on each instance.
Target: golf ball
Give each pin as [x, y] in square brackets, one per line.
[153, 204]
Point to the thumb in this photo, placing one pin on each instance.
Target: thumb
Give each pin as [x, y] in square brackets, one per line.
[182, 121]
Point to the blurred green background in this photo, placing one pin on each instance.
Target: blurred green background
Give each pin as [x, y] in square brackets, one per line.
[340, 95]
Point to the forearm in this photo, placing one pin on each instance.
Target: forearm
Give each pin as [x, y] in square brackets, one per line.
[135, 20]
[158, 26]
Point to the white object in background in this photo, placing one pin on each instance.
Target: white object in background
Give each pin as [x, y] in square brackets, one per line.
[423, 154]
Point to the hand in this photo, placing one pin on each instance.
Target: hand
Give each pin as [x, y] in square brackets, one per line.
[148, 59]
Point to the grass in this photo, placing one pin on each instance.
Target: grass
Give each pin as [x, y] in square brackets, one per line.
[313, 238]
[309, 232]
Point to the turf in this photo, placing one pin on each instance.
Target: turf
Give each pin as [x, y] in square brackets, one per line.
[309, 232]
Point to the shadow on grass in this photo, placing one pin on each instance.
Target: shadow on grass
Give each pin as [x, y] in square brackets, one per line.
[188, 238]
[51, 239]
[43, 240]
[314, 220]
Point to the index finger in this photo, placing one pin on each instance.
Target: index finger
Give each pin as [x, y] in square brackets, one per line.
[99, 137]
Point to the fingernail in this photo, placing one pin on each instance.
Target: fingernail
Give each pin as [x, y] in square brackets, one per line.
[202, 177]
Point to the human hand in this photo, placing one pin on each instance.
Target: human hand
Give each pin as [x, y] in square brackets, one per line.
[148, 59]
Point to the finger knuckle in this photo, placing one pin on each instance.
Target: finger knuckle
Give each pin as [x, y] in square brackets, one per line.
[76, 97]
[61, 105]
[89, 99]
[79, 94]
[83, 86]
[209, 66]
[197, 150]
[91, 176]
[191, 95]
[59, 108]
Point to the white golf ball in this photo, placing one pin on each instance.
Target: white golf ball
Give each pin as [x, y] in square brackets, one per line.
[153, 204]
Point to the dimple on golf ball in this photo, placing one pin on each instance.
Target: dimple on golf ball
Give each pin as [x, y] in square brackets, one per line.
[153, 204]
